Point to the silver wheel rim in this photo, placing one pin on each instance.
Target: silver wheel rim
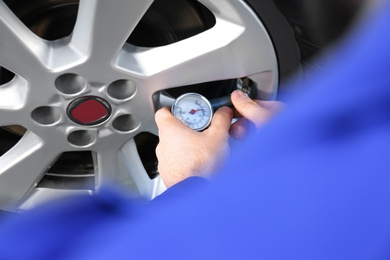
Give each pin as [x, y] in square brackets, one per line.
[96, 61]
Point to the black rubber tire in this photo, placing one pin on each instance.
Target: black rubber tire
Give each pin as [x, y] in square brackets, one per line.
[282, 36]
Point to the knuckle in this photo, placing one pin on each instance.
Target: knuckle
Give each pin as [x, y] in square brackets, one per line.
[251, 108]
[225, 113]
[158, 150]
[250, 104]
[222, 119]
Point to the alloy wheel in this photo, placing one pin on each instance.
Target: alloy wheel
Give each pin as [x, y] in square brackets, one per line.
[88, 99]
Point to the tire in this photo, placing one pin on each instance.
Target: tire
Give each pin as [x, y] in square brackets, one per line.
[282, 35]
[60, 61]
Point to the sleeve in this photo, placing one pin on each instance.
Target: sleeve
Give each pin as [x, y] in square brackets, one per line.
[49, 230]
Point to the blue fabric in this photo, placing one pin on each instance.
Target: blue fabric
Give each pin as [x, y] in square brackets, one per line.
[313, 184]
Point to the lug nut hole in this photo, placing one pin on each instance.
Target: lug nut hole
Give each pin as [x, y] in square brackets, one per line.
[70, 84]
[46, 115]
[126, 123]
[122, 89]
[81, 138]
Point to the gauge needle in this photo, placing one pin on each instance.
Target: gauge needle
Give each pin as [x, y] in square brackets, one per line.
[193, 111]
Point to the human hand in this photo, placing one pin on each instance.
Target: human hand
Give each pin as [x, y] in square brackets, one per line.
[256, 111]
[183, 153]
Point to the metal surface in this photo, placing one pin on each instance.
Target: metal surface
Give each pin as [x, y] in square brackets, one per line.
[96, 61]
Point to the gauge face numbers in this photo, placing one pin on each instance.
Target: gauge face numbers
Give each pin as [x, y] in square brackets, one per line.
[193, 110]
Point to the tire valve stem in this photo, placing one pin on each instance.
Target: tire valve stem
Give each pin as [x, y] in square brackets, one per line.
[243, 84]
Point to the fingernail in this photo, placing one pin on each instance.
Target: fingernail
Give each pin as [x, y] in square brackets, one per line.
[239, 94]
[237, 132]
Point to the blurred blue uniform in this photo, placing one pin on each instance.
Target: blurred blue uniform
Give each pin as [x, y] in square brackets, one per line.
[313, 184]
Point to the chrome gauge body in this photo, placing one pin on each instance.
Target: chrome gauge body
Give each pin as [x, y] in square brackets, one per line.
[194, 110]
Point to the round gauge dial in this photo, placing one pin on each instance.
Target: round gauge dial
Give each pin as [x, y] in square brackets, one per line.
[194, 110]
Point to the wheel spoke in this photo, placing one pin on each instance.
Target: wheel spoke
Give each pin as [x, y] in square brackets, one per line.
[10, 117]
[144, 108]
[22, 167]
[125, 167]
[21, 51]
[211, 55]
[132, 166]
[102, 27]
[13, 94]
[149, 124]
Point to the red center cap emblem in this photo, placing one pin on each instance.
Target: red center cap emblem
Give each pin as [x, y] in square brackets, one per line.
[89, 110]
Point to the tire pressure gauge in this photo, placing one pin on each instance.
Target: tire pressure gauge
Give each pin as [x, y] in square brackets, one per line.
[196, 111]
[193, 110]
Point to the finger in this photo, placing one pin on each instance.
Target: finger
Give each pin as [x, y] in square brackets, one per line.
[164, 118]
[222, 120]
[238, 130]
[249, 108]
[162, 115]
[271, 105]
[236, 114]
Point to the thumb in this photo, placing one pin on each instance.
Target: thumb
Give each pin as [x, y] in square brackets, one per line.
[249, 108]
[164, 119]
